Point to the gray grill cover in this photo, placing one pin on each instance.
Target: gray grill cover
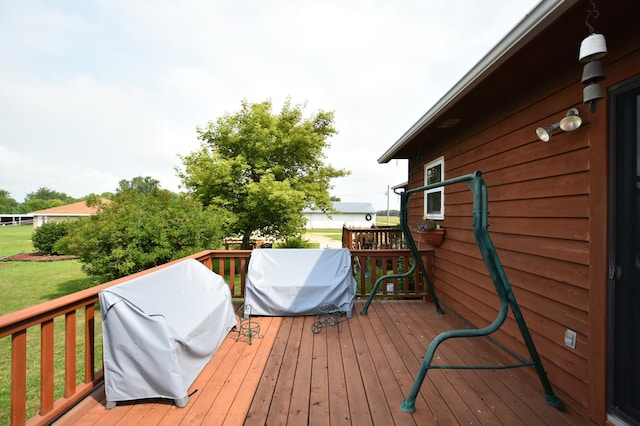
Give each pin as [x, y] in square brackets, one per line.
[297, 281]
[161, 329]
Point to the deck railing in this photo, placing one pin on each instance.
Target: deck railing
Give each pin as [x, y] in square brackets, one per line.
[378, 238]
[78, 310]
[369, 265]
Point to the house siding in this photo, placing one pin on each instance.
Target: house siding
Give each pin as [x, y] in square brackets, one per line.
[65, 213]
[548, 221]
[42, 219]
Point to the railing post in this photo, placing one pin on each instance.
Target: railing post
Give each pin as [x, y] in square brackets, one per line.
[347, 238]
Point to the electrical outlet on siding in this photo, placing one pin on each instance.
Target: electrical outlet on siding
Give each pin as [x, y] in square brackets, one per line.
[570, 338]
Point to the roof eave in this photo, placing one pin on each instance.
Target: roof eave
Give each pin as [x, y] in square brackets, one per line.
[545, 13]
[63, 214]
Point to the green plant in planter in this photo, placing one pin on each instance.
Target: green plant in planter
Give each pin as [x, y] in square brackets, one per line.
[426, 225]
[428, 233]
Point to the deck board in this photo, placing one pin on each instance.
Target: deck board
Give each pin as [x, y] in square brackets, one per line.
[338, 397]
[283, 389]
[358, 406]
[356, 375]
[301, 386]
[483, 383]
[378, 406]
[462, 398]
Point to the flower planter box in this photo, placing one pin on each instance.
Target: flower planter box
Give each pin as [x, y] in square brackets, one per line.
[431, 238]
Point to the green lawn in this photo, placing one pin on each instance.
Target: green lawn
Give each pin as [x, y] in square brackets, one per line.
[15, 239]
[334, 234]
[24, 284]
[382, 220]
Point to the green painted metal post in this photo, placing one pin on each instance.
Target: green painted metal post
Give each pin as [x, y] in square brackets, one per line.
[503, 286]
[415, 254]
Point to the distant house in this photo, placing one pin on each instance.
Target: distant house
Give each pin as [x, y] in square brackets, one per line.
[357, 215]
[64, 213]
[16, 219]
[564, 205]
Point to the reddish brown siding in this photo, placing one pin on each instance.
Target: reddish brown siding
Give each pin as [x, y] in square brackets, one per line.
[548, 216]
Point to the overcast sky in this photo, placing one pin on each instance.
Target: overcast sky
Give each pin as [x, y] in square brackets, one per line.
[95, 91]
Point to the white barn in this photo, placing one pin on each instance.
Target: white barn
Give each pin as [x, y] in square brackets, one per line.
[356, 215]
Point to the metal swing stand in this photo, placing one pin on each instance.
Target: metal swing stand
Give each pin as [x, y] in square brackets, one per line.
[502, 285]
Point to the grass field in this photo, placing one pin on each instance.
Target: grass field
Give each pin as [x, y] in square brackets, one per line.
[24, 284]
[382, 220]
[15, 239]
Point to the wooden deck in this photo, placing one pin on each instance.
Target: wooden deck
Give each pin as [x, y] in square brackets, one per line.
[358, 375]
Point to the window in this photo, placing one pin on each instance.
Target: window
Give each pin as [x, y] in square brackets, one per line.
[434, 198]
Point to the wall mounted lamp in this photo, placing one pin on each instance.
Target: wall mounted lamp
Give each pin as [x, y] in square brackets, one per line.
[544, 133]
[571, 121]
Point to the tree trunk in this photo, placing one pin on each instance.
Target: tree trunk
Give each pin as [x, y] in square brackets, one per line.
[246, 241]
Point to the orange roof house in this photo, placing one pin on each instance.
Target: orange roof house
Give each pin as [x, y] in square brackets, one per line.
[65, 213]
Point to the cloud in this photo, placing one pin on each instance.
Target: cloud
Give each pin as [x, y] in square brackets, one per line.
[94, 92]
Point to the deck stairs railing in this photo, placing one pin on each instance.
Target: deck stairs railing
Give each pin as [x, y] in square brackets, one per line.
[380, 237]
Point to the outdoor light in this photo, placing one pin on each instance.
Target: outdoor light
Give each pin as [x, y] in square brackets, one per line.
[544, 133]
[571, 121]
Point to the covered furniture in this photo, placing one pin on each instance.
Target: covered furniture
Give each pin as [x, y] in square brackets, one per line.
[283, 282]
[161, 329]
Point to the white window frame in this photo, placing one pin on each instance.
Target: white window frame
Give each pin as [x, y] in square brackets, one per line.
[430, 215]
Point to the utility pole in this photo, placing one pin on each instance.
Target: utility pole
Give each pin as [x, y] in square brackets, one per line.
[387, 205]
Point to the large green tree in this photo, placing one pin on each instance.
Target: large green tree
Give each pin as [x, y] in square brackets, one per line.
[144, 185]
[264, 168]
[7, 204]
[45, 198]
[136, 232]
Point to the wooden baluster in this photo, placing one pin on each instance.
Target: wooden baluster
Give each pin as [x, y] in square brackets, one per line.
[18, 377]
[243, 275]
[70, 353]
[89, 340]
[46, 367]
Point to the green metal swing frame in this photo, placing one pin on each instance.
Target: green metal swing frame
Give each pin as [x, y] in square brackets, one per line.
[503, 287]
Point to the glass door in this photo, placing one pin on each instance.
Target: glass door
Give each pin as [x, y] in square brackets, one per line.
[624, 253]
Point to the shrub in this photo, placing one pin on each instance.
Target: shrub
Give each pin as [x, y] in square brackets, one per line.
[294, 242]
[46, 236]
[136, 232]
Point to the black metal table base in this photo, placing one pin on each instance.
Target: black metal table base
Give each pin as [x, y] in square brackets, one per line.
[328, 315]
